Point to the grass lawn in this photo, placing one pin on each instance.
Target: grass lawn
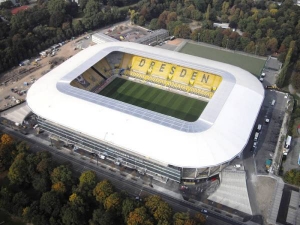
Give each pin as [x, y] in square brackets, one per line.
[252, 64]
[154, 99]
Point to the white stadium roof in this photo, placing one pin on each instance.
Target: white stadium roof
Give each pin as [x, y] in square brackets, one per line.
[221, 132]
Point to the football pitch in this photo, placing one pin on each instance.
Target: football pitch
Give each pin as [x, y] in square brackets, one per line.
[155, 99]
[252, 64]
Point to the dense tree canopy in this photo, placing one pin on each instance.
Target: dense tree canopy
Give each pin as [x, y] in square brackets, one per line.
[28, 193]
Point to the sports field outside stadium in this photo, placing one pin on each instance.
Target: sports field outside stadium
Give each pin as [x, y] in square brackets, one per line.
[252, 64]
[155, 99]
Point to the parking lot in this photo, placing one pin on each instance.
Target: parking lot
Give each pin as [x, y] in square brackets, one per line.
[272, 109]
[270, 131]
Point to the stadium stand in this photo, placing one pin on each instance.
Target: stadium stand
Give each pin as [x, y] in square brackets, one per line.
[126, 61]
[161, 69]
[140, 64]
[114, 59]
[158, 72]
[181, 75]
[89, 80]
[103, 68]
[184, 79]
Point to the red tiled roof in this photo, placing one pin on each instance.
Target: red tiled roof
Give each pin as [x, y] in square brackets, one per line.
[18, 9]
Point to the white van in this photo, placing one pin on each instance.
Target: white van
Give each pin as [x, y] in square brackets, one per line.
[273, 102]
[256, 136]
[258, 128]
[263, 74]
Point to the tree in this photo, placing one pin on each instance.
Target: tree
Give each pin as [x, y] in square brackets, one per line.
[56, 19]
[297, 66]
[55, 6]
[59, 187]
[182, 31]
[5, 157]
[296, 80]
[76, 200]
[172, 25]
[113, 203]
[18, 173]
[50, 203]
[97, 215]
[87, 182]
[172, 16]
[139, 217]
[141, 21]
[133, 16]
[103, 190]
[82, 4]
[92, 8]
[162, 19]
[282, 74]
[41, 183]
[19, 201]
[272, 44]
[70, 216]
[163, 213]
[62, 174]
[22, 147]
[6, 139]
[128, 205]
[103, 218]
[250, 48]
[152, 202]
[208, 11]
[200, 218]
[262, 49]
[45, 166]
[78, 27]
[180, 218]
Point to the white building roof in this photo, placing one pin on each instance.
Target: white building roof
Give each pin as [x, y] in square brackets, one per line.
[221, 132]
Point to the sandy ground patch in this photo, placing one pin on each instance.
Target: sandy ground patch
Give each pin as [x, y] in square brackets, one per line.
[264, 189]
[16, 80]
[175, 42]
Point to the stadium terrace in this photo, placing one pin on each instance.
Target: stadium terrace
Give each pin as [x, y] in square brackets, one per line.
[165, 114]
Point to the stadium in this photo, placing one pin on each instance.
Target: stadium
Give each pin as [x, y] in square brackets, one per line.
[165, 114]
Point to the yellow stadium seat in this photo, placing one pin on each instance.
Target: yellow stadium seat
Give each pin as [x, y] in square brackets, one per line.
[208, 81]
[140, 64]
[181, 74]
[126, 61]
[160, 69]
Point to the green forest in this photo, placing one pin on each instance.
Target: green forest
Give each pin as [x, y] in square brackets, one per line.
[257, 27]
[36, 189]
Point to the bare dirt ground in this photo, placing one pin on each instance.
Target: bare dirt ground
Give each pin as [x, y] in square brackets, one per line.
[194, 25]
[264, 189]
[14, 79]
[175, 42]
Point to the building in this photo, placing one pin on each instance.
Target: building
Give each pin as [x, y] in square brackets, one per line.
[100, 38]
[154, 37]
[68, 106]
[13, 1]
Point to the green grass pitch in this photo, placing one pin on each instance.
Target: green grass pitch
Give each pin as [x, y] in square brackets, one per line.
[155, 99]
[252, 64]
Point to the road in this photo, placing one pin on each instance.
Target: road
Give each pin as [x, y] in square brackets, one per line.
[254, 159]
[122, 183]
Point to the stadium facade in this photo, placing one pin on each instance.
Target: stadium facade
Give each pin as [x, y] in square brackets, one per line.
[68, 106]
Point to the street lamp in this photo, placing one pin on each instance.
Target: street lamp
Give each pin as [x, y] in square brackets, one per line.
[256, 49]
[198, 37]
